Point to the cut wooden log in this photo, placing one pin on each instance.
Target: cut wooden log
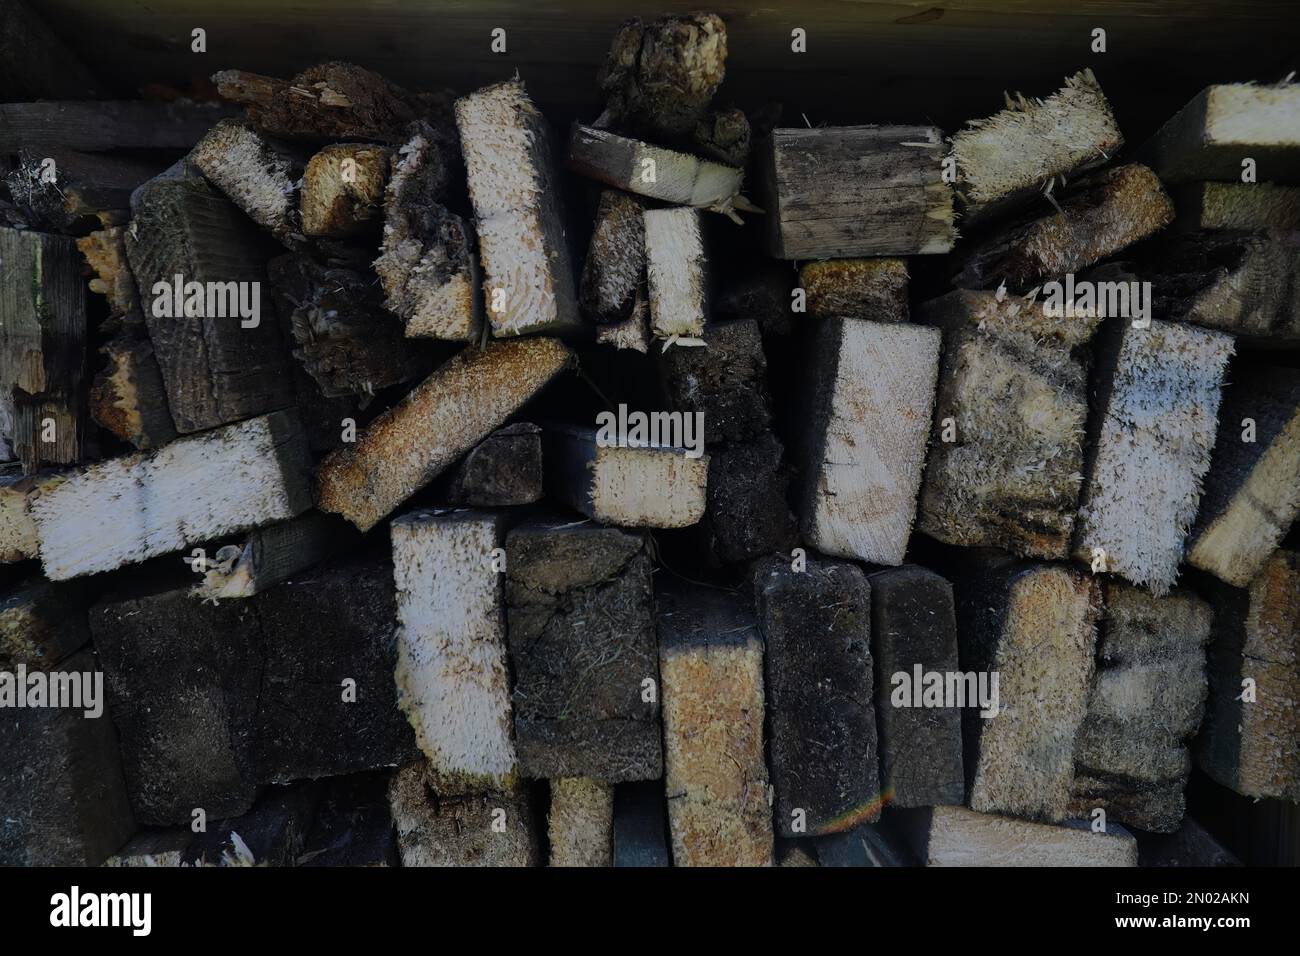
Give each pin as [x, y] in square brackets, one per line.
[329, 101]
[453, 676]
[1006, 454]
[914, 630]
[1006, 160]
[63, 189]
[747, 514]
[1034, 626]
[637, 484]
[18, 537]
[271, 555]
[1190, 845]
[858, 191]
[353, 825]
[873, 392]
[345, 340]
[104, 125]
[1243, 283]
[35, 64]
[427, 265]
[1147, 699]
[442, 418]
[652, 171]
[503, 469]
[1225, 124]
[40, 624]
[258, 175]
[128, 398]
[1095, 218]
[581, 634]
[676, 272]
[873, 289]
[639, 825]
[153, 848]
[193, 256]
[726, 382]
[489, 829]
[343, 189]
[42, 348]
[272, 833]
[1252, 490]
[1238, 206]
[1150, 438]
[527, 277]
[816, 626]
[632, 332]
[61, 780]
[192, 490]
[724, 136]
[955, 836]
[711, 665]
[580, 823]
[1250, 740]
[661, 76]
[613, 273]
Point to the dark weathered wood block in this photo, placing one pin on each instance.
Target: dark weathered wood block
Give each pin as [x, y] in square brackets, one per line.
[747, 514]
[639, 824]
[726, 381]
[503, 469]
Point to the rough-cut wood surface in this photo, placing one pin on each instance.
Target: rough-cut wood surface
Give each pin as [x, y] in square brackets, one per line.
[446, 415]
[1238, 206]
[873, 289]
[913, 624]
[128, 397]
[1147, 699]
[858, 191]
[215, 368]
[1095, 218]
[1252, 490]
[18, 538]
[1009, 158]
[676, 272]
[42, 348]
[873, 394]
[125, 510]
[40, 624]
[1222, 125]
[453, 677]
[1153, 425]
[955, 836]
[1007, 448]
[636, 486]
[614, 271]
[652, 171]
[1254, 747]
[271, 555]
[343, 189]
[527, 276]
[816, 627]
[580, 823]
[503, 469]
[259, 176]
[711, 666]
[102, 125]
[581, 634]
[1035, 626]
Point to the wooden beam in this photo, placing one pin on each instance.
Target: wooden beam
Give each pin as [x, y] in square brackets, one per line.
[453, 675]
[711, 665]
[446, 415]
[955, 836]
[652, 171]
[580, 823]
[816, 627]
[527, 278]
[1008, 159]
[103, 125]
[191, 490]
[343, 189]
[747, 512]
[613, 274]
[837, 192]
[271, 555]
[258, 175]
[726, 382]
[1237, 206]
[1150, 438]
[676, 272]
[503, 469]
[873, 289]
[873, 394]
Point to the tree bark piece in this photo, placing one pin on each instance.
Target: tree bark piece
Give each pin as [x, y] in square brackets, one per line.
[442, 418]
[676, 275]
[1253, 747]
[1150, 439]
[1147, 699]
[1006, 455]
[271, 555]
[1238, 206]
[581, 634]
[873, 394]
[503, 469]
[527, 278]
[192, 490]
[652, 171]
[580, 824]
[1225, 124]
[1008, 159]
[1252, 490]
[914, 626]
[955, 836]
[873, 289]
[816, 626]
[343, 189]
[1097, 217]
[453, 675]
[858, 191]
[637, 485]
[613, 273]
[711, 664]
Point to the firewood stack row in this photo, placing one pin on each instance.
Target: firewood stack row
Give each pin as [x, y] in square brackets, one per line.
[431, 486]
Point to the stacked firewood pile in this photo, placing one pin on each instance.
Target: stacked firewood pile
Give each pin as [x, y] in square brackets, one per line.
[723, 493]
